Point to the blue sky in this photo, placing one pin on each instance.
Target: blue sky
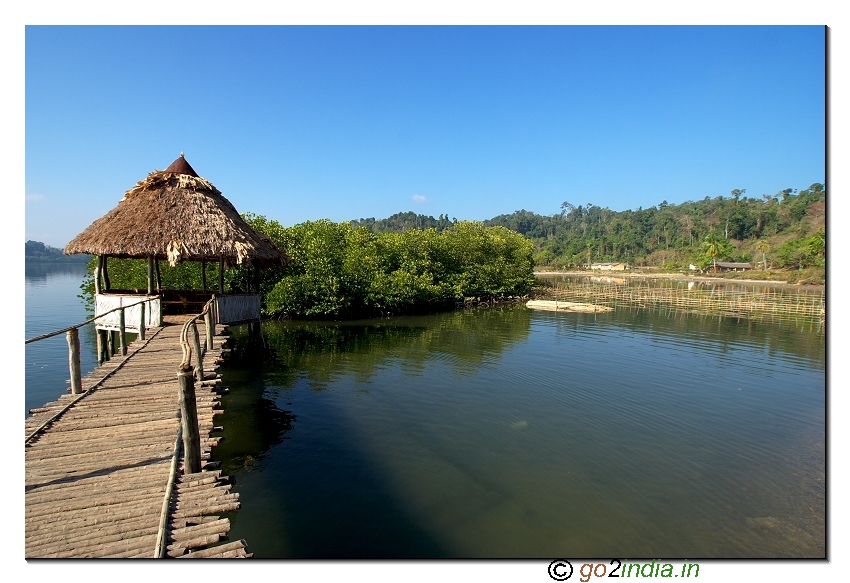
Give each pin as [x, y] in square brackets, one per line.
[303, 123]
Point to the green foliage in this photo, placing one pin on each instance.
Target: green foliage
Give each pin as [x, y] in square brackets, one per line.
[338, 270]
[714, 248]
[804, 252]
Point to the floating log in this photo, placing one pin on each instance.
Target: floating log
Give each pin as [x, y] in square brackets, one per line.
[207, 553]
[559, 306]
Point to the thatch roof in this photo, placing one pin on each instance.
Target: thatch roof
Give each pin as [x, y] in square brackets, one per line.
[176, 215]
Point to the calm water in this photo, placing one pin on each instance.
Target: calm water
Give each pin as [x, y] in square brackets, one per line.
[506, 432]
[51, 303]
[513, 433]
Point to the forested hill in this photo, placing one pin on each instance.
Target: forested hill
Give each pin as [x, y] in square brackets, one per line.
[38, 251]
[786, 229]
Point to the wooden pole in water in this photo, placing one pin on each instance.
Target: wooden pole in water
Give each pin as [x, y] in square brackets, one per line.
[189, 421]
[73, 336]
[196, 348]
[208, 321]
[142, 321]
[122, 333]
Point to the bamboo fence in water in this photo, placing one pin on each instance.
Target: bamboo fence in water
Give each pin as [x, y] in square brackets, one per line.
[754, 304]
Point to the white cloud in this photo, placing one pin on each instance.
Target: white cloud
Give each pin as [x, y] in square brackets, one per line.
[419, 198]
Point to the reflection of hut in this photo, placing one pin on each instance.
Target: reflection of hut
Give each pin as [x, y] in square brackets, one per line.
[177, 216]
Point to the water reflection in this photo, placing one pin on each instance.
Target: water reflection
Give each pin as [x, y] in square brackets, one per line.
[513, 433]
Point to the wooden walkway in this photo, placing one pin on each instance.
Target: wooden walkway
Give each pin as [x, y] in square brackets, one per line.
[97, 478]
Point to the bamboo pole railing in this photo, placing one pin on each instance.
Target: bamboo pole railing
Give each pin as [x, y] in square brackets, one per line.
[73, 338]
[186, 375]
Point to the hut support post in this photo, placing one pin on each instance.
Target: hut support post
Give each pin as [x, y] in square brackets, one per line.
[73, 336]
[122, 333]
[204, 274]
[208, 322]
[199, 357]
[158, 276]
[111, 342]
[101, 348]
[97, 271]
[221, 276]
[189, 420]
[106, 283]
[142, 321]
[150, 274]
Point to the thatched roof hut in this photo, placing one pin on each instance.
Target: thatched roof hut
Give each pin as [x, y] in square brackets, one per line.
[179, 216]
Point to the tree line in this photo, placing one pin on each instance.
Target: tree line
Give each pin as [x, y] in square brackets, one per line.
[38, 251]
[783, 230]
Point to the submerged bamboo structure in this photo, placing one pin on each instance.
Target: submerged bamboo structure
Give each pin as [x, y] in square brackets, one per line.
[752, 304]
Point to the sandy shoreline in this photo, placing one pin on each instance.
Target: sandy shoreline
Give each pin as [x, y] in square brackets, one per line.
[680, 277]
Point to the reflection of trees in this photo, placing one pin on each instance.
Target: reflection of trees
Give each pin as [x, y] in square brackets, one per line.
[324, 351]
[321, 351]
[254, 423]
[727, 333]
[35, 271]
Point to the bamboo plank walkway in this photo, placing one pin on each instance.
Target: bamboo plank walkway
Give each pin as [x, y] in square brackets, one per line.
[97, 477]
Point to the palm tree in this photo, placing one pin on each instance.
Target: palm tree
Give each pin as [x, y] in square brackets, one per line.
[764, 248]
[712, 248]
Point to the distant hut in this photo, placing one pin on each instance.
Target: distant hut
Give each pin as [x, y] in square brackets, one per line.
[729, 266]
[176, 215]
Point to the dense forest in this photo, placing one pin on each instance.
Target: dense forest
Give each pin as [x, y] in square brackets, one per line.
[784, 230]
[38, 251]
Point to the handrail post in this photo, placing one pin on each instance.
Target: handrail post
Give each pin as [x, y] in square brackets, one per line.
[73, 336]
[189, 421]
[208, 322]
[142, 321]
[196, 348]
[122, 333]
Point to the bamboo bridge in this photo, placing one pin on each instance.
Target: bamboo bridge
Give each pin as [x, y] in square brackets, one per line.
[111, 469]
